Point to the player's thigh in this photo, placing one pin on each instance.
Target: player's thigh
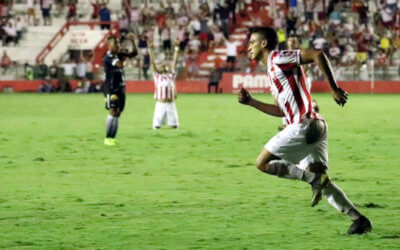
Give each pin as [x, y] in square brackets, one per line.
[290, 144]
[121, 101]
[264, 157]
[111, 104]
[159, 114]
[172, 114]
[115, 101]
[317, 160]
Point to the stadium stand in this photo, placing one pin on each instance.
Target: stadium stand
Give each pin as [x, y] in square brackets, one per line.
[360, 37]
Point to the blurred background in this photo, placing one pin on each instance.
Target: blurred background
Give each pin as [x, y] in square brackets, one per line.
[61, 42]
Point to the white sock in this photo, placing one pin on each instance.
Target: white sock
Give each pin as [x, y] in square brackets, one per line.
[338, 199]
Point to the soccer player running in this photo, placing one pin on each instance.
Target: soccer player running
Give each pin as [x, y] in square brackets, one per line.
[114, 87]
[165, 90]
[305, 137]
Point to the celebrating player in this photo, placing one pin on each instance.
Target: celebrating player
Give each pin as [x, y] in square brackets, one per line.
[165, 90]
[305, 137]
[114, 87]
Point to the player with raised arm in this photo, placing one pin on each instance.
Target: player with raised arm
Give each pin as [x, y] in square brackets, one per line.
[305, 137]
[114, 86]
[164, 89]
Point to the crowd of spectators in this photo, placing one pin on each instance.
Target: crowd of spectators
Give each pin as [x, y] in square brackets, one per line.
[60, 74]
[352, 33]
[11, 30]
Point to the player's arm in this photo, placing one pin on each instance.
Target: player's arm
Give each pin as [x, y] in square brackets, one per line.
[134, 50]
[318, 57]
[151, 54]
[270, 109]
[176, 54]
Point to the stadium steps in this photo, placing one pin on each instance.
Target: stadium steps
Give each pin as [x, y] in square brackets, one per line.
[36, 37]
[207, 60]
[33, 40]
[31, 44]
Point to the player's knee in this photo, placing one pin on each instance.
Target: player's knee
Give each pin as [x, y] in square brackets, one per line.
[317, 167]
[277, 167]
[274, 167]
[113, 112]
[260, 164]
[263, 166]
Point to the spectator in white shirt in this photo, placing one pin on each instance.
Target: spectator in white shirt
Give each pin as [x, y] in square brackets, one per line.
[134, 19]
[195, 26]
[81, 69]
[319, 43]
[231, 52]
[10, 34]
[88, 58]
[69, 68]
[387, 17]
[334, 52]
[194, 44]
[123, 22]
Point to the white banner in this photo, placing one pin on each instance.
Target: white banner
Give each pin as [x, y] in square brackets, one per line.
[85, 39]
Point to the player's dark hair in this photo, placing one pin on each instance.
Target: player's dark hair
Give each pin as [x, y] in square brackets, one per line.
[268, 34]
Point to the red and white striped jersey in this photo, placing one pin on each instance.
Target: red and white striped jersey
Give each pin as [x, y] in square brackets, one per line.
[288, 86]
[164, 87]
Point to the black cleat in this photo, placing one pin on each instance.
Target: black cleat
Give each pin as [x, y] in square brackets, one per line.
[360, 226]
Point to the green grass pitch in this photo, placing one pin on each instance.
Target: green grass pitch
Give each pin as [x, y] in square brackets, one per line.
[196, 187]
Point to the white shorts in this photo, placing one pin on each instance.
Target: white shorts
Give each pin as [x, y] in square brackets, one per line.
[290, 145]
[165, 111]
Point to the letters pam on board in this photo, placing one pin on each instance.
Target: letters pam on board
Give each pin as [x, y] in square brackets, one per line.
[250, 81]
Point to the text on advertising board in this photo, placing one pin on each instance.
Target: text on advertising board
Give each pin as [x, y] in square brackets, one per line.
[250, 81]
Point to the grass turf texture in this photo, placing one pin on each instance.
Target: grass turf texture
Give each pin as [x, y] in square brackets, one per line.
[196, 187]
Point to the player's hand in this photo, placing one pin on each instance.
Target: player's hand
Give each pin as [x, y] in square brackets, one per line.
[340, 96]
[244, 96]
